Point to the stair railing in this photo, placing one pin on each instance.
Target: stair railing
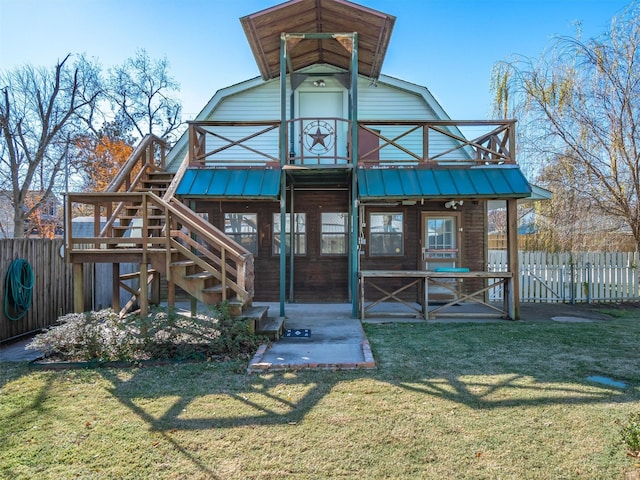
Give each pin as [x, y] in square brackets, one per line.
[208, 247]
[149, 155]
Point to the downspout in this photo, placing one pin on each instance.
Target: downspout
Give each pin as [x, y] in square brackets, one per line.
[283, 178]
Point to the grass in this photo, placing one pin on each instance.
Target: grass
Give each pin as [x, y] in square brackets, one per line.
[476, 401]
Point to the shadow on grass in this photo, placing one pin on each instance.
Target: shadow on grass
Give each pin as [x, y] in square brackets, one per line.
[482, 367]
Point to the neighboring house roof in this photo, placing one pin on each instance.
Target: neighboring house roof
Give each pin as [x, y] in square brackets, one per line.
[264, 28]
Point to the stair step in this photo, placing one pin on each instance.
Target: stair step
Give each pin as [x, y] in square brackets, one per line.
[182, 263]
[271, 327]
[127, 227]
[135, 217]
[199, 276]
[214, 289]
[132, 275]
[156, 181]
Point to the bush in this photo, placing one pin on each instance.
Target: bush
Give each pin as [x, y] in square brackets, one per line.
[85, 337]
[162, 334]
[631, 434]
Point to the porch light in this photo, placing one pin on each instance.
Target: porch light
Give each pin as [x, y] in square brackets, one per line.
[453, 204]
[319, 83]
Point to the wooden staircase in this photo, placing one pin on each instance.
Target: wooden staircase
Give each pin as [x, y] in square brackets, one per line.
[139, 221]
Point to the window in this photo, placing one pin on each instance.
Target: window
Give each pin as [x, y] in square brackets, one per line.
[243, 228]
[299, 233]
[334, 233]
[387, 234]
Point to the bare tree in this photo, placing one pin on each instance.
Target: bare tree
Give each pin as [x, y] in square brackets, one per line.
[41, 111]
[580, 102]
[140, 91]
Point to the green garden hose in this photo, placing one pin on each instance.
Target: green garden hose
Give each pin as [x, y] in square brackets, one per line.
[18, 288]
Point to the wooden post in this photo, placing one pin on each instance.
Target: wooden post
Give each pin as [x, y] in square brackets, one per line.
[171, 294]
[143, 297]
[78, 287]
[155, 289]
[115, 287]
[512, 258]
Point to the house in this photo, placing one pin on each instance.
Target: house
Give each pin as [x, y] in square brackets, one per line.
[46, 222]
[322, 180]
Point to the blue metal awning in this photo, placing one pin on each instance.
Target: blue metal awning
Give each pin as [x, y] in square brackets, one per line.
[504, 181]
[230, 183]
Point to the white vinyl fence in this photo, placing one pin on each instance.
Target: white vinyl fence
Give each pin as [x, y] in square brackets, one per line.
[572, 277]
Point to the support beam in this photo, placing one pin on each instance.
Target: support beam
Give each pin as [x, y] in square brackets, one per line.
[78, 287]
[355, 222]
[283, 161]
[115, 287]
[143, 296]
[512, 257]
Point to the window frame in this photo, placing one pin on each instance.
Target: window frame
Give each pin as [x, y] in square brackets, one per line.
[234, 235]
[388, 236]
[275, 248]
[344, 235]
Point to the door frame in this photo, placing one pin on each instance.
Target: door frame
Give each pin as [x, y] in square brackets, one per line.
[424, 218]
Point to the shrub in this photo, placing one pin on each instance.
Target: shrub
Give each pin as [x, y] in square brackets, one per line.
[84, 337]
[631, 434]
[162, 334]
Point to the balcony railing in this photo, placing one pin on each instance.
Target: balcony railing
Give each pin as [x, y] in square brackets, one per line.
[327, 141]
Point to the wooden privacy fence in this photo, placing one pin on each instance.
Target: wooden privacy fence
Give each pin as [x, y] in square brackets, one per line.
[572, 277]
[52, 294]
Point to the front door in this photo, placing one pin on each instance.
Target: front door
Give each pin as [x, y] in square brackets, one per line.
[440, 248]
[440, 241]
[323, 139]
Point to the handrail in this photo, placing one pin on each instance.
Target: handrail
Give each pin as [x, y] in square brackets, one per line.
[141, 154]
[175, 213]
[424, 143]
[177, 178]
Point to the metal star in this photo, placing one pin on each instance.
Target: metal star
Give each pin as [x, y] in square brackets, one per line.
[318, 138]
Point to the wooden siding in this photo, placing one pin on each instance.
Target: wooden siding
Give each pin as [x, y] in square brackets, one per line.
[472, 254]
[258, 103]
[318, 278]
[382, 102]
[52, 294]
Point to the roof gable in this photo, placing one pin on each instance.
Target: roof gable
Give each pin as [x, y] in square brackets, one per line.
[263, 30]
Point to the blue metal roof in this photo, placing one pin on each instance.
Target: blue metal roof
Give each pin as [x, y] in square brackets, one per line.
[504, 181]
[245, 183]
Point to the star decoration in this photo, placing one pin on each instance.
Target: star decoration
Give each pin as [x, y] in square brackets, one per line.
[318, 138]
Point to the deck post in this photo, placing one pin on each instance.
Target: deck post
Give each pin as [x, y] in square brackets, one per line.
[144, 289]
[283, 178]
[115, 287]
[355, 224]
[78, 287]
[513, 289]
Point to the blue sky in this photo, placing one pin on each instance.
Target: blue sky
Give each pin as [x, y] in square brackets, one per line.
[449, 46]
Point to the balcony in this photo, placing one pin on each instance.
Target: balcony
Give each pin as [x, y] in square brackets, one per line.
[326, 141]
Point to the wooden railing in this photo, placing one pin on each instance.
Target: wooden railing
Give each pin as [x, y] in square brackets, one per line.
[322, 141]
[181, 230]
[149, 155]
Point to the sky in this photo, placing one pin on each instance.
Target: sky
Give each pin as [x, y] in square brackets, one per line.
[449, 46]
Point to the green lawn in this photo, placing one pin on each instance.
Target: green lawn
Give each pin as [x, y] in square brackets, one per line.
[505, 400]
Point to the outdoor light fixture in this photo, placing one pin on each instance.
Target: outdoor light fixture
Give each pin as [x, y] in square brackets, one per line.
[453, 204]
[319, 83]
